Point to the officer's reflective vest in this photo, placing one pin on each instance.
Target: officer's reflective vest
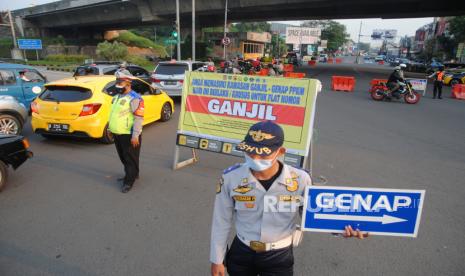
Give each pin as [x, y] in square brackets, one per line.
[439, 76]
[121, 117]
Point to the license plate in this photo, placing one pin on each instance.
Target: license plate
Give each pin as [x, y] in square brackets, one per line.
[58, 127]
[171, 82]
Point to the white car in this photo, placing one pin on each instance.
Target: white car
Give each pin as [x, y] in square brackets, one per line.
[323, 58]
[168, 76]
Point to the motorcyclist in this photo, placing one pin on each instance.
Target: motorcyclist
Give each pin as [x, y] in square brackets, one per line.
[395, 79]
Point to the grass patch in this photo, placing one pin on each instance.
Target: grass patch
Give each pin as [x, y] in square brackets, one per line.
[131, 39]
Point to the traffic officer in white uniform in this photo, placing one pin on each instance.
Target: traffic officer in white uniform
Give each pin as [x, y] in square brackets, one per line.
[263, 197]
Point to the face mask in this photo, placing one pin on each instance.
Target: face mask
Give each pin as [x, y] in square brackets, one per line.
[258, 164]
[119, 89]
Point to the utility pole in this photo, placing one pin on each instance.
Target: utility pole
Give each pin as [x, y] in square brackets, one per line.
[193, 30]
[225, 26]
[357, 59]
[13, 32]
[178, 29]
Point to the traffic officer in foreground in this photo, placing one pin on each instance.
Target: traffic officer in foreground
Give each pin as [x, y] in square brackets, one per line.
[263, 196]
[438, 77]
[126, 118]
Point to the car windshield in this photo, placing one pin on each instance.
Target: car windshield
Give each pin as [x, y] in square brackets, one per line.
[86, 70]
[65, 94]
[171, 69]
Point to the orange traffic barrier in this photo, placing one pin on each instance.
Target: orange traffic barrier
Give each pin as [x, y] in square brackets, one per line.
[375, 82]
[458, 91]
[330, 60]
[288, 68]
[263, 72]
[312, 62]
[339, 60]
[294, 75]
[343, 83]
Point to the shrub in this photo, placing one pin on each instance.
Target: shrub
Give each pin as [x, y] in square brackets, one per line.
[112, 51]
[138, 60]
[132, 39]
[67, 58]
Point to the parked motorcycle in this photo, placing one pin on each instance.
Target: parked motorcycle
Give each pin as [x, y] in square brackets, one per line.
[380, 92]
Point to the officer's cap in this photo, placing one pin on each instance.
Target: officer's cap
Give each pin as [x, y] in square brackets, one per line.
[262, 139]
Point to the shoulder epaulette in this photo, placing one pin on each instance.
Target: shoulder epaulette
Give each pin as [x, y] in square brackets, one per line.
[232, 168]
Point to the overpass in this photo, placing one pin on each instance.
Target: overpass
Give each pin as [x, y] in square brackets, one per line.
[99, 15]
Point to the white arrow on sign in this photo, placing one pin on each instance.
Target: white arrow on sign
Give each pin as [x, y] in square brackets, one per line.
[385, 219]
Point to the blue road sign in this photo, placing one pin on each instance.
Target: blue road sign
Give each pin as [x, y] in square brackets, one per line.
[30, 44]
[391, 212]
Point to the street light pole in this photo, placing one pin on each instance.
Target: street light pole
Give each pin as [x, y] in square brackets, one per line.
[357, 59]
[193, 30]
[225, 26]
[178, 29]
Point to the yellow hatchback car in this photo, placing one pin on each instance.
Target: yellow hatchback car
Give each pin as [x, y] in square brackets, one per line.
[81, 106]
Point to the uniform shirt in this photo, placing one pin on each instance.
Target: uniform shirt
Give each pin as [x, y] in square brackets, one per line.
[137, 108]
[259, 215]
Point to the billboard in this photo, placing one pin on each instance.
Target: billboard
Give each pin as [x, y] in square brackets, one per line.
[384, 34]
[218, 109]
[302, 35]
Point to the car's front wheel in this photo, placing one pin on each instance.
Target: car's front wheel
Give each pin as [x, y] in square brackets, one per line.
[3, 175]
[9, 124]
[166, 112]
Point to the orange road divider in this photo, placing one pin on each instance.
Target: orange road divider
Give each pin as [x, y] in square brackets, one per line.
[288, 68]
[312, 62]
[458, 91]
[374, 83]
[294, 75]
[343, 83]
[339, 60]
[330, 60]
[263, 72]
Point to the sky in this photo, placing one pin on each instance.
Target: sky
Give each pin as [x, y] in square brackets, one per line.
[403, 26]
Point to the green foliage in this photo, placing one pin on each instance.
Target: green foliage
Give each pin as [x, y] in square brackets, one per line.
[112, 51]
[457, 28]
[59, 40]
[132, 39]
[138, 60]
[335, 33]
[66, 58]
[252, 27]
[278, 46]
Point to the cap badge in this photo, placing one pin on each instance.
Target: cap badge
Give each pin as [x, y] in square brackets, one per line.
[259, 136]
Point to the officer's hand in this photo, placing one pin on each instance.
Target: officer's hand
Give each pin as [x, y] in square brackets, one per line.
[217, 270]
[135, 142]
[349, 232]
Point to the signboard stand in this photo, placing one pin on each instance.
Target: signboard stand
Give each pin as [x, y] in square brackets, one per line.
[182, 164]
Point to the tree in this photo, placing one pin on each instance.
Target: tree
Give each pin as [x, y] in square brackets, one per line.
[336, 35]
[457, 28]
[253, 27]
[112, 51]
[333, 31]
[278, 46]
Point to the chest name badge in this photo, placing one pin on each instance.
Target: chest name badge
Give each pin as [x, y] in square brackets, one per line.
[244, 198]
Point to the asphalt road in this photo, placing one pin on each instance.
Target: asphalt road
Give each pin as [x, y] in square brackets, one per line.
[63, 214]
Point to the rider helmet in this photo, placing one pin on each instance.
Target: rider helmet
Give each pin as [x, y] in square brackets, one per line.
[402, 66]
